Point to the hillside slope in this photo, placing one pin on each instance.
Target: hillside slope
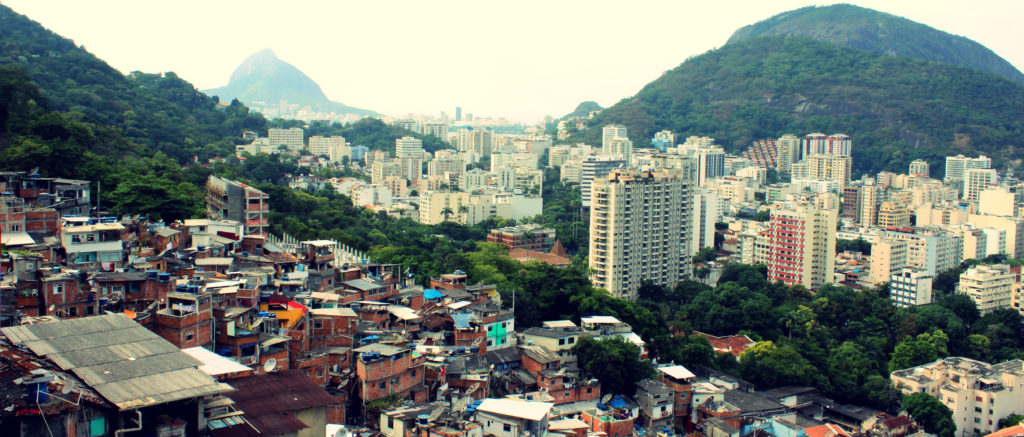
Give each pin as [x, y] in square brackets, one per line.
[867, 29]
[895, 109]
[161, 111]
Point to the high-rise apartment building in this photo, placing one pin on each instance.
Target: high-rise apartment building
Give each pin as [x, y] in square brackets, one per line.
[710, 163]
[956, 166]
[802, 244]
[830, 168]
[640, 230]
[933, 250]
[663, 140]
[611, 132]
[439, 130]
[910, 287]
[887, 256]
[334, 148]
[619, 147]
[977, 180]
[870, 197]
[788, 150]
[990, 287]
[479, 142]
[290, 138]
[593, 168]
[408, 147]
[920, 168]
[893, 215]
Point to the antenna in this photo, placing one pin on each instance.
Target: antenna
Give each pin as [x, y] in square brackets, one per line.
[270, 365]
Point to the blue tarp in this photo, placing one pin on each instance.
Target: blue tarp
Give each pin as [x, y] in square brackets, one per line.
[431, 293]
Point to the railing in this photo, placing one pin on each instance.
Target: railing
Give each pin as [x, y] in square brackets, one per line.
[343, 254]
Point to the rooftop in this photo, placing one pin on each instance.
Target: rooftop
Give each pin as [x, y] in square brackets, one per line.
[124, 362]
[534, 411]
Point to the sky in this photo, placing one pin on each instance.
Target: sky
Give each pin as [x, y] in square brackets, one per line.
[520, 59]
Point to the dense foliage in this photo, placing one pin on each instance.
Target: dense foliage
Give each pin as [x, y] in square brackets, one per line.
[613, 361]
[369, 132]
[160, 111]
[875, 31]
[932, 414]
[895, 109]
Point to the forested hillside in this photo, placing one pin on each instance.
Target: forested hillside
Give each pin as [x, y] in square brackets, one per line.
[895, 109]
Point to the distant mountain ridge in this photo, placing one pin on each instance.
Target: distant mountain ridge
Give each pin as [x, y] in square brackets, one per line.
[879, 32]
[263, 77]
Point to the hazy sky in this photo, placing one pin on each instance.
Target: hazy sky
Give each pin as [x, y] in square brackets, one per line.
[517, 59]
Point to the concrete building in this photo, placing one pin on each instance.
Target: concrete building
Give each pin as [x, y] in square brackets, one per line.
[977, 180]
[990, 287]
[910, 287]
[802, 244]
[291, 138]
[619, 147]
[1012, 226]
[439, 130]
[334, 148]
[611, 132]
[408, 147]
[932, 250]
[710, 163]
[663, 140]
[956, 166]
[888, 256]
[893, 215]
[919, 168]
[640, 227]
[830, 167]
[978, 393]
[514, 418]
[230, 200]
[788, 147]
[593, 168]
[999, 201]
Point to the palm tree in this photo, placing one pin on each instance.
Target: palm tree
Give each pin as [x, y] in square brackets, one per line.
[463, 211]
[446, 212]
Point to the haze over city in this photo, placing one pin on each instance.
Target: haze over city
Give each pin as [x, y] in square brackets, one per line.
[521, 61]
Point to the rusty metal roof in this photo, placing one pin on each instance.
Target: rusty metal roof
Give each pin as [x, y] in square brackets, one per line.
[124, 362]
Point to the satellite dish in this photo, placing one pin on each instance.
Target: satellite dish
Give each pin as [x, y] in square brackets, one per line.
[51, 308]
[67, 387]
[33, 171]
[270, 365]
[435, 414]
[606, 398]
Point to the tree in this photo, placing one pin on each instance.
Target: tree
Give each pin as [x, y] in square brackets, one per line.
[446, 212]
[923, 349]
[16, 91]
[1011, 420]
[930, 413]
[613, 361]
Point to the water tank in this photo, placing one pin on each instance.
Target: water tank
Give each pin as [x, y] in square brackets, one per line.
[422, 419]
[151, 274]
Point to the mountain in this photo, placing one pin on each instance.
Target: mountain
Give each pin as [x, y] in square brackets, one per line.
[896, 109]
[875, 31]
[262, 77]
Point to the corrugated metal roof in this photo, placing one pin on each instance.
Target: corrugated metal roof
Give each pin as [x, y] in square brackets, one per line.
[124, 362]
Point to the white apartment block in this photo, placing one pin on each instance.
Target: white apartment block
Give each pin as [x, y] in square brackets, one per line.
[334, 148]
[291, 138]
[408, 147]
[978, 393]
[788, 147]
[956, 166]
[990, 287]
[1012, 226]
[977, 180]
[830, 167]
[1000, 201]
[931, 250]
[910, 287]
[439, 130]
[920, 168]
[640, 227]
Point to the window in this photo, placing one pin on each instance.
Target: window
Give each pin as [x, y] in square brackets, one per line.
[58, 288]
[319, 372]
[189, 336]
[15, 228]
[391, 422]
[507, 428]
[383, 385]
[572, 340]
[977, 420]
[73, 311]
[318, 324]
[412, 374]
[561, 341]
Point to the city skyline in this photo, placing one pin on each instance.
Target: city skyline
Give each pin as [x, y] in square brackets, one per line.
[521, 63]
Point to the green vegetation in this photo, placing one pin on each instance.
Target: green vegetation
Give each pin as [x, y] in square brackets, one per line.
[878, 32]
[930, 413]
[859, 245]
[895, 109]
[584, 109]
[613, 361]
[369, 132]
